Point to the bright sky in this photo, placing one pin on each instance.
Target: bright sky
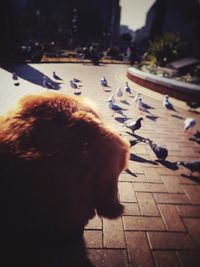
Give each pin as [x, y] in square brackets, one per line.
[133, 12]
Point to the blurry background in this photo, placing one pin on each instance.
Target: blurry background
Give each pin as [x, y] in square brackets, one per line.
[34, 30]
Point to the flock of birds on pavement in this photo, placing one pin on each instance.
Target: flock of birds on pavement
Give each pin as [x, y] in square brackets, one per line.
[161, 152]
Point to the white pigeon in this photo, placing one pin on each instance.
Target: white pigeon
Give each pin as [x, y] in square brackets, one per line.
[47, 84]
[104, 82]
[115, 108]
[127, 88]
[112, 98]
[167, 104]
[119, 93]
[137, 97]
[141, 105]
[189, 123]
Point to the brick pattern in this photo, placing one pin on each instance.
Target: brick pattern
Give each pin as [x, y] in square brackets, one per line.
[161, 223]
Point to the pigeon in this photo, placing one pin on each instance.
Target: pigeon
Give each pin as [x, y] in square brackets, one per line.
[193, 166]
[134, 125]
[127, 88]
[119, 93]
[73, 85]
[75, 80]
[56, 77]
[160, 151]
[47, 84]
[104, 82]
[141, 106]
[112, 98]
[115, 108]
[167, 104]
[189, 123]
[15, 79]
[137, 97]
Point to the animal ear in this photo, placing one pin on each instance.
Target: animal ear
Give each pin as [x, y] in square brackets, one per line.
[115, 156]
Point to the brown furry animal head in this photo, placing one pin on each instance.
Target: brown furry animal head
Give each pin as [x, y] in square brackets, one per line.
[61, 163]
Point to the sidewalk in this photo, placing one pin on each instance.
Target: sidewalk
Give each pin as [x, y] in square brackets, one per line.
[161, 223]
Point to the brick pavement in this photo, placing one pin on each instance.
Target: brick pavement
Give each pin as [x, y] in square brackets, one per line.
[161, 223]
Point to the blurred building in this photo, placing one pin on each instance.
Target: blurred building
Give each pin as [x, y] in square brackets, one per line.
[174, 16]
[60, 21]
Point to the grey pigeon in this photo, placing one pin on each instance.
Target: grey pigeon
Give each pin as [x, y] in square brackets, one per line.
[193, 166]
[73, 85]
[134, 125]
[47, 84]
[56, 77]
[166, 104]
[104, 82]
[160, 151]
[127, 88]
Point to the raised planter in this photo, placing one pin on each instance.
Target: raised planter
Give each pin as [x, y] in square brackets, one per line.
[180, 90]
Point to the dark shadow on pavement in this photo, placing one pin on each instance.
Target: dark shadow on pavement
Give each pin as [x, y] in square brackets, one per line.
[130, 172]
[152, 117]
[168, 164]
[195, 179]
[121, 120]
[124, 102]
[140, 138]
[133, 157]
[27, 72]
[177, 116]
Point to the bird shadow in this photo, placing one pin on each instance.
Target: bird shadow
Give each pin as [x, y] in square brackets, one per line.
[196, 138]
[152, 117]
[168, 164]
[28, 73]
[134, 142]
[147, 106]
[121, 119]
[130, 172]
[107, 90]
[177, 116]
[125, 102]
[195, 179]
[77, 93]
[136, 158]
[140, 138]
[194, 111]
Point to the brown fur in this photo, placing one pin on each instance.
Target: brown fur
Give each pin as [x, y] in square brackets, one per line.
[60, 166]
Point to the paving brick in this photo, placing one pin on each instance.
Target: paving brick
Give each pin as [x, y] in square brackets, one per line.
[171, 198]
[126, 192]
[95, 223]
[152, 175]
[125, 177]
[193, 193]
[166, 171]
[168, 240]
[113, 234]
[134, 166]
[140, 149]
[189, 258]
[138, 249]
[149, 187]
[172, 184]
[185, 180]
[166, 259]
[131, 209]
[171, 218]
[143, 223]
[147, 204]
[93, 239]
[108, 258]
[193, 226]
[188, 211]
